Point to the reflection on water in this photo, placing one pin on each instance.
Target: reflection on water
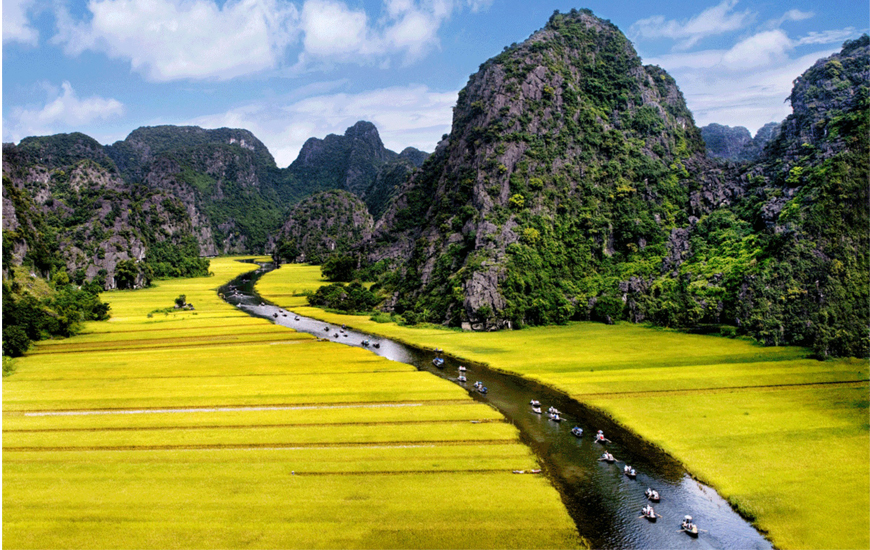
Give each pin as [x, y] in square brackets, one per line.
[604, 503]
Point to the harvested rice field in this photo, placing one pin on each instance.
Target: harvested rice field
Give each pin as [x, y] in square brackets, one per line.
[783, 437]
[210, 428]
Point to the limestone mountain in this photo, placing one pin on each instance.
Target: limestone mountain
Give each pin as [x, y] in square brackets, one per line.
[330, 222]
[574, 185]
[807, 200]
[226, 179]
[356, 162]
[737, 144]
[66, 207]
[567, 156]
[204, 192]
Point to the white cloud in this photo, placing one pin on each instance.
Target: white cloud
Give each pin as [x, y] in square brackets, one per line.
[184, 39]
[405, 116]
[759, 50]
[333, 32]
[827, 37]
[64, 112]
[790, 15]
[719, 88]
[16, 24]
[713, 21]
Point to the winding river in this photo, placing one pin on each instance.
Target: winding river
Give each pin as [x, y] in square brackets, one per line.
[604, 503]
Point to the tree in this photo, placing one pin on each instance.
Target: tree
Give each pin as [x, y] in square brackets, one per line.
[285, 249]
[339, 267]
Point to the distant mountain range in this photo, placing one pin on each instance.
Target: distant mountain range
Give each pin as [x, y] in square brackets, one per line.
[737, 144]
[574, 184]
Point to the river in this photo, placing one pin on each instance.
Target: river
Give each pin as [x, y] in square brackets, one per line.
[604, 503]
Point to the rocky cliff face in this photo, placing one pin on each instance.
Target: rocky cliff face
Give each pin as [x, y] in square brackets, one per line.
[356, 162]
[66, 206]
[737, 144]
[226, 179]
[331, 222]
[565, 150]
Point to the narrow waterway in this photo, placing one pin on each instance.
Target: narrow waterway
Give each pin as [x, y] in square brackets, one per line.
[604, 503]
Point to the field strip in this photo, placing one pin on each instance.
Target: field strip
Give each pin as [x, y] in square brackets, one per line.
[222, 376]
[256, 426]
[238, 408]
[416, 472]
[246, 324]
[729, 389]
[264, 446]
[182, 345]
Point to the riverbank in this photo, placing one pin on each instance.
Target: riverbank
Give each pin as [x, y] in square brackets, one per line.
[772, 430]
[209, 428]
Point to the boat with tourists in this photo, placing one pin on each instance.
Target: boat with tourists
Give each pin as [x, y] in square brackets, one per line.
[629, 472]
[607, 457]
[689, 527]
[577, 431]
[649, 513]
[599, 438]
[652, 494]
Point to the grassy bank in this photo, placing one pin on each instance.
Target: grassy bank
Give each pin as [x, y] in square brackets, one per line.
[210, 428]
[783, 437]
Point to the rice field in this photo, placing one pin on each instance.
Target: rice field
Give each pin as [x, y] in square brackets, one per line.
[783, 437]
[210, 428]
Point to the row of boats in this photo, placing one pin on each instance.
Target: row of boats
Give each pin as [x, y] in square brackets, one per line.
[648, 512]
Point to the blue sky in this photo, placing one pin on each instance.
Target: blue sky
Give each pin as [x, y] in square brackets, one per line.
[291, 69]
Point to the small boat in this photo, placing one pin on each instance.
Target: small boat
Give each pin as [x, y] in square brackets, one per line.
[555, 417]
[284, 314]
[482, 389]
[649, 513]
[461, 368]
[652, 495]
[275, 315]
[335, 335]
[345, 335]
[607, 457]
[688, 527]
[262, 304]
[462, 378]
[577, 431]
[629, 471]
[296, 318]
[536, 409]
[553, 410]
[599, 438]
[365, 343]
[438, 362]
[326, 329]
[535, 403]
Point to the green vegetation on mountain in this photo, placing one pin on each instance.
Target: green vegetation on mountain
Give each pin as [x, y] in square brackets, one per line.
[574, 185]
[325, 225]
[356, 162]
